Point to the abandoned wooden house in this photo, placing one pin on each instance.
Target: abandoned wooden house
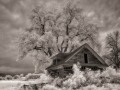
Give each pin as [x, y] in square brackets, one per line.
[85, 55]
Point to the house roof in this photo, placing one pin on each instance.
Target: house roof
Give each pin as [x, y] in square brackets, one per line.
[68, 56]
[61, 55]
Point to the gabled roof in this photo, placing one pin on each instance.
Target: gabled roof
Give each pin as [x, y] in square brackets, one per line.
[60, 55]
[90, 49]
[70, 55]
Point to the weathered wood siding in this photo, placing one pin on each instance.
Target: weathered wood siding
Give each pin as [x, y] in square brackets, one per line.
[79, 57]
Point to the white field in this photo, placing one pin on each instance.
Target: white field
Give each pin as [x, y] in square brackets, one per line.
[109, 79]
[12, 84]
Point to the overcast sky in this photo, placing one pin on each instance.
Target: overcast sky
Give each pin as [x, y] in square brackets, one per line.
[14, 17]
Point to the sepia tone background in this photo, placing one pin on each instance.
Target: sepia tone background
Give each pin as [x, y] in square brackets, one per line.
[14, 18]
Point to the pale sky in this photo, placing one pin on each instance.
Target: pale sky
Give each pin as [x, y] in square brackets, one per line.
[14, 17]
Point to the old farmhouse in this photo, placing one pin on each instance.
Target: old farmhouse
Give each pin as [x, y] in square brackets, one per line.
[85, 55]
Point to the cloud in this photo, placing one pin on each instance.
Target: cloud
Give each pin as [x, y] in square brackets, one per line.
[107, 11]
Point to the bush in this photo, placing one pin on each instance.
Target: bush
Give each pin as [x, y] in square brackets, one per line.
[115, 80]
[79, 80]
[1, 78]
[8, 77]
[21, 75]
[16, 77]
[75, 80]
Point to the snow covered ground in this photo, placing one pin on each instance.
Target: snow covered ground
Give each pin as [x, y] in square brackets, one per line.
[12, 84]
[109, 79]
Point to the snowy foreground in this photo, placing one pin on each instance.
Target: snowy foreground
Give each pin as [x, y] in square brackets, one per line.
[13, 84]
[87, 80]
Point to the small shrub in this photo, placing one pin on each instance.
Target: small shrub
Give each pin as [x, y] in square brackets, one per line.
[21, 75]
[115, 80]
[16, 77]
[8, 77]
[1, 78]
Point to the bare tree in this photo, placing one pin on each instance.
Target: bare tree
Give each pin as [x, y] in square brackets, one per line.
[55, 31]
[113, 45]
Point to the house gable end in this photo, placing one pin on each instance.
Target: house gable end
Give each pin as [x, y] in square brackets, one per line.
[90, 49]
[85, 56]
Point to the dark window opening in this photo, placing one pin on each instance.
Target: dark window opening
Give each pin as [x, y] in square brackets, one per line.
[58, 73]
[86, 58]
[56, 61]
